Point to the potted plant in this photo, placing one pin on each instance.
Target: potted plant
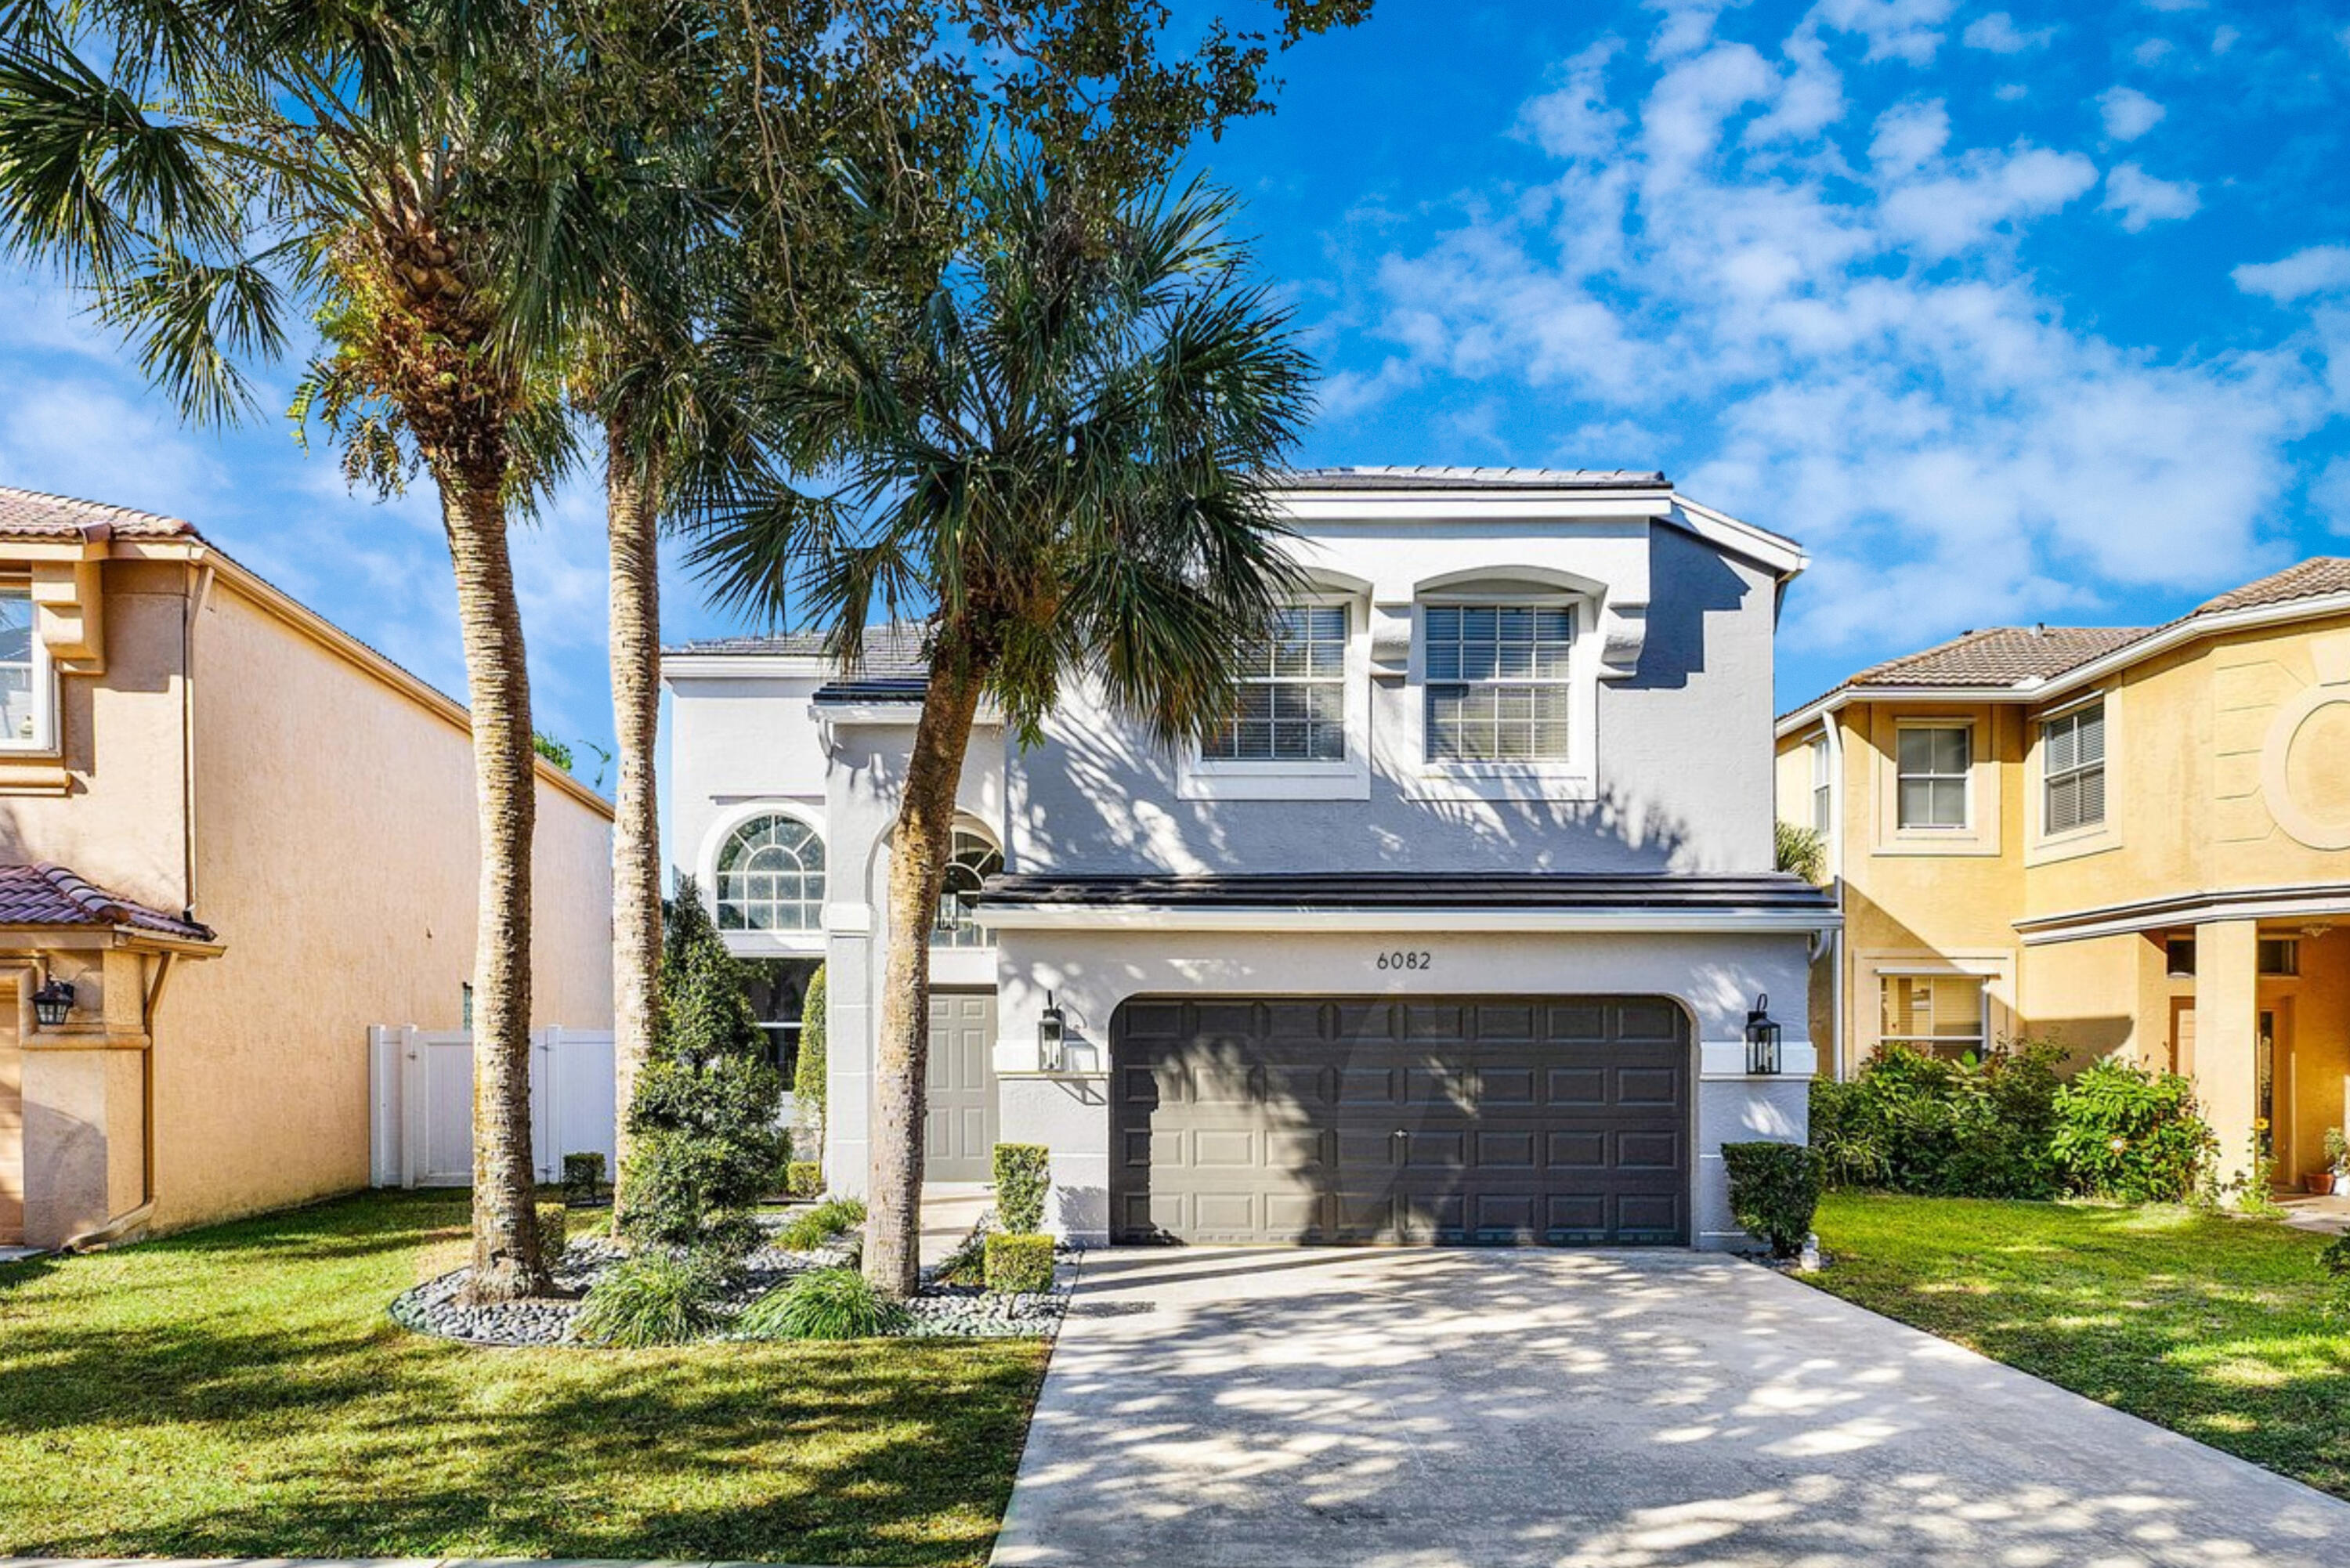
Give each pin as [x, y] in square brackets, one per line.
[2335, 1176]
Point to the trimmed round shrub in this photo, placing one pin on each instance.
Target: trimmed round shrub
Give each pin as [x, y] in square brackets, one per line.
[803, 1179]
[822, 1303]
[1774, 1190]
[2123, 1132]
[806, 1233]
[655, 1298]
[554, 1230]
[1019, 1263]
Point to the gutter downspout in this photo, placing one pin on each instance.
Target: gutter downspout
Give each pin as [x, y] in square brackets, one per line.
[1832, 729]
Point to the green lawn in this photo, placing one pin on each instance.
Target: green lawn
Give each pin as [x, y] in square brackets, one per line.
[239, 1392]
[2212, 1327]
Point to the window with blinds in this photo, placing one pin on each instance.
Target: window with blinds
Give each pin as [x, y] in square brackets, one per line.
[1291, 701]
[2072, 769]
[1941, 1014]
[1497, 682]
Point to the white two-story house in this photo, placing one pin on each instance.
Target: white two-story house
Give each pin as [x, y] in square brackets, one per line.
[1451, 934]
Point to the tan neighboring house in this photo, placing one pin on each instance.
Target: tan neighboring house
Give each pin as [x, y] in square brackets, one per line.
[240, 836]
[2135, 840]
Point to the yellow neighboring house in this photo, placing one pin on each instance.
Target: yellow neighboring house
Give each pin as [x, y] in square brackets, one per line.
[2133, 840]
[239, 837]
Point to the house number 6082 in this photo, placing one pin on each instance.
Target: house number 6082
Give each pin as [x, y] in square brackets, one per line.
[1407, 960]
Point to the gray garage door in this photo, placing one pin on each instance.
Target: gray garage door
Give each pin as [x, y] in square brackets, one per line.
[1484, 1119]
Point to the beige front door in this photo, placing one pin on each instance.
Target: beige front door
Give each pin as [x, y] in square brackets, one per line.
[2182, 1034]
[958, 1105]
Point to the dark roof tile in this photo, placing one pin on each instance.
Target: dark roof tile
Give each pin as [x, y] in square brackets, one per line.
[46, 894]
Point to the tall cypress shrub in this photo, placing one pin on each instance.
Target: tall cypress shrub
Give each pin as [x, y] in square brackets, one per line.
[809, 1075]
[704, 1115]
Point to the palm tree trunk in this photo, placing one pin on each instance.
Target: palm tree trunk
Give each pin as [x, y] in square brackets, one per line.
[506, 1261]
[918, 851]
[631, 515]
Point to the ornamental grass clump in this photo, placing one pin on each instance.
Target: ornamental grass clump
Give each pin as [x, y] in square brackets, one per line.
[656, 1297]
[806, 1233]
[824, 1304]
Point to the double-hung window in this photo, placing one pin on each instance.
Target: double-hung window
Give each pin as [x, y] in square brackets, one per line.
[2072, 769]
[1822, 796]
[24, 717]
[1941, 1014]
[1933, 761]
[1291, 705]
[1497, 682]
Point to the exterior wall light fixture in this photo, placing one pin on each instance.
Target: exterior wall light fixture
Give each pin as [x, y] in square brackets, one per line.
[53, 1001]
[1052, 1030]
[1762, 1038]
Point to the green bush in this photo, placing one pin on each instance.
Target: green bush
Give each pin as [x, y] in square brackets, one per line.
[809, 1072]
[822, 1303]
[1021, 1173]
[583, 1178]
[1801, 850]
[1774, 1190]
[707, 1147]
[655, 1298]
[806, 1233]
[554, 1230]
[1979, 1128]
[803, 1179]
[2123, 1132]
[1019, 1262]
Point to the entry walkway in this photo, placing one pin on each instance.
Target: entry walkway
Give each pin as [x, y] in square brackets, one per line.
[1425, 1408]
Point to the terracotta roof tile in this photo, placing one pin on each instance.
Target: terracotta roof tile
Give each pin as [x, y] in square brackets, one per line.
[2318, 574]
[46, 894]
[33, 514]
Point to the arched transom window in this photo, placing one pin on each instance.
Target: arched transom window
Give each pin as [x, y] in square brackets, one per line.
[770, 877]
[975, 860]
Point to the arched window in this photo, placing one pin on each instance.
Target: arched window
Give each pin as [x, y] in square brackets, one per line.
[770, 877]
[975, 859]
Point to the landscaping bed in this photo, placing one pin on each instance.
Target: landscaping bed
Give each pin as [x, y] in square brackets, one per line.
[940, 1312]
[2217, 1326]
[238, 1392]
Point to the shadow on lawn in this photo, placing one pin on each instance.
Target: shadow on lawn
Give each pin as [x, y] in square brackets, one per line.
[268, 1407]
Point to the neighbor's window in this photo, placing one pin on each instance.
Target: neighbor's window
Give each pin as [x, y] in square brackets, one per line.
[1497, 682]
[1940, 1013]
[2279, 955]
[1932, 761]
[770, 877]
[2179, 957]
[1823, 798]
[2072, 769]
[23, 671]
[1291, 704]
[975, 860]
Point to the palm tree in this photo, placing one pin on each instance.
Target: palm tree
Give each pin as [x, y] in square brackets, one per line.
[1061, 444]
[203, 168]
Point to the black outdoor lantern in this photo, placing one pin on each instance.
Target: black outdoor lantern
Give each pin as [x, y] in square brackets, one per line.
[1052, 1027]
[53, 1001]
[1762, 1038]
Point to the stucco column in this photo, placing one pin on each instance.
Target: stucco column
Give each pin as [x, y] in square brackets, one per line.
[2226, 1019]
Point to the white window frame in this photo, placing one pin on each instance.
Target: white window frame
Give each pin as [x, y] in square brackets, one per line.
[2050, 778]
[1966, 778]
[1201, 777]
[802, 942]
[1823, 788]
[43, 682]
[963, 935]
[1574, 779]
[1933, 1045]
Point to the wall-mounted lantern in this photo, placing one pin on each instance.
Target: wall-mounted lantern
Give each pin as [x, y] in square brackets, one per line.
[1052, 1030]
[1762, 1038]
[53, 1001]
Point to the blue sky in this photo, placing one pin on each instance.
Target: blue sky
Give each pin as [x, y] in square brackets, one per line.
[2010, 312]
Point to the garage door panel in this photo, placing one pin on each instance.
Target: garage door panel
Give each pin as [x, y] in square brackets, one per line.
[1290, 1133]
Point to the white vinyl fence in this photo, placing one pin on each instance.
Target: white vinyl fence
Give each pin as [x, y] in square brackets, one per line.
[421, 1120]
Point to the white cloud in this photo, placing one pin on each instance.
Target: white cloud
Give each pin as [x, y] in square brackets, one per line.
[2141, 198]
[1864, 362]
[2128, 113]
[2176, 5]
[1999, 34]
[2008, 93]
[2152, 52]
[2318, 269]
[2223, 39]
[1896, 29]
[73, 435]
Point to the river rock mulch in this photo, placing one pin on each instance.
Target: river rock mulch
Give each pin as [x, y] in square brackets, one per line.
[940, 1312]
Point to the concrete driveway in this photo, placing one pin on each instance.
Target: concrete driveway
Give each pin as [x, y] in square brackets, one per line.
[1427, 1408]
